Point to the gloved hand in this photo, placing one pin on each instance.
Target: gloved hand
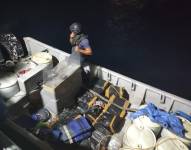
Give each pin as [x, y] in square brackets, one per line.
[77, 49]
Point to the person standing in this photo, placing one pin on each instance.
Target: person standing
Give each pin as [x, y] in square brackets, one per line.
[80, 43]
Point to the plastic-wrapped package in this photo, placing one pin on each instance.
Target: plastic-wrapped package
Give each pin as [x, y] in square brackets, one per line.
[74, 131]
[99, 137]
[116, 140]
[115, 143]
[68, 115]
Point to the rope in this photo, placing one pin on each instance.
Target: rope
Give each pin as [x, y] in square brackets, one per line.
[121, 96]
[106, 100]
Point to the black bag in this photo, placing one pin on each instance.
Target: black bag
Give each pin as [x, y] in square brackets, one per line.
[100, 137]
[117, 91]
[100, 86]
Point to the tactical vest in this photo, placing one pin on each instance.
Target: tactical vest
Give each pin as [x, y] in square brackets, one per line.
[77, 39]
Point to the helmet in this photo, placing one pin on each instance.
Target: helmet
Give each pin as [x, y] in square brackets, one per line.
[75, 27]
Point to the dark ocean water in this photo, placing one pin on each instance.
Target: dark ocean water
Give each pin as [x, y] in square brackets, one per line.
[148, 41]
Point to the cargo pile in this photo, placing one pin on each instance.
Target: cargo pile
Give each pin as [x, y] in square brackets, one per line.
[101, 120]
[143, 132]
[99, 113]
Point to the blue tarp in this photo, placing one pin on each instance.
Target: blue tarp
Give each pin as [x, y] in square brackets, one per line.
[166, 120]
[184, 115]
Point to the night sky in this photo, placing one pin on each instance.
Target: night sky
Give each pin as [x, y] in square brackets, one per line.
[148, 40]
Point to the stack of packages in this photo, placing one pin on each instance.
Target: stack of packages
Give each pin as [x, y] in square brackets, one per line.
[99, 114]
[111, 111]
[74, 131]
[106, 110]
